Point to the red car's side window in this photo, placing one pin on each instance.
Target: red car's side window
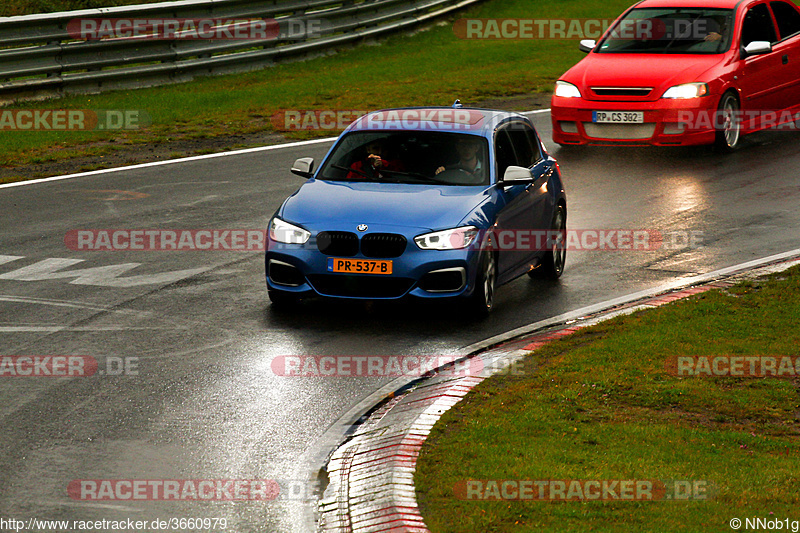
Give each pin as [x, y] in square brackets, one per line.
[758, 26]
[787, 17]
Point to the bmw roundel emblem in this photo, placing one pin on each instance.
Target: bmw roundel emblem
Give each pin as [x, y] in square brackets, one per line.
[361, 227]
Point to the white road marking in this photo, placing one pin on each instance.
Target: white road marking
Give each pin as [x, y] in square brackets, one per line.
[105, 276]
[9, 258]
[56, 329]
[195, 158]
[169, 162]
[68, 303]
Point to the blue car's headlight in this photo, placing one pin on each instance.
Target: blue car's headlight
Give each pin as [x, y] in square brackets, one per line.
[282, 231]
[449, 239]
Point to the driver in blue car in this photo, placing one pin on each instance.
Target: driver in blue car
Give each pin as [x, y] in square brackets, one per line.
[468, 160]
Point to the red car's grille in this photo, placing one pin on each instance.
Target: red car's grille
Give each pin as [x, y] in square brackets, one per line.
[640, 92]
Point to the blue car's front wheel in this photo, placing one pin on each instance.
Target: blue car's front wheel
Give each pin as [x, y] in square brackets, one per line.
[482, 299]
[282, 298]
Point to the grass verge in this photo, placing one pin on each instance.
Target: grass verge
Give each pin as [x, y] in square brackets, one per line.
[601, 405]
[429, 68]
[11, 8]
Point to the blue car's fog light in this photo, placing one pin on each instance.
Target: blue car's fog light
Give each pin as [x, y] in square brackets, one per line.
[444, 280]
[285, 274]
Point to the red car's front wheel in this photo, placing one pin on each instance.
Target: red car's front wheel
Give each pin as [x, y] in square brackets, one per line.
[728, 123]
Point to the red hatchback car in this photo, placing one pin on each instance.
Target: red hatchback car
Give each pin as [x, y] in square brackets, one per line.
[684, 72]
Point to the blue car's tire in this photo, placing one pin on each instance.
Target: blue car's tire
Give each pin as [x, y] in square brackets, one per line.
[482, 299]
[552, 265]
[282, 299]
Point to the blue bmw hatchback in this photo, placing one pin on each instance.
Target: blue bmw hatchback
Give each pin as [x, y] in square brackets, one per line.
[420, 202]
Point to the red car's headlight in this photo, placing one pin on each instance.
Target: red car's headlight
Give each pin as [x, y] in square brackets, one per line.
[567, 90]
[687, 90]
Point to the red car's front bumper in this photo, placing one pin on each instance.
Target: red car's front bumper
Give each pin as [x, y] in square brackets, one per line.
[665, 122]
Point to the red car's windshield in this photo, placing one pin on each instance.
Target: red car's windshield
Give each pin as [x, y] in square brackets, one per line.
[670, 31]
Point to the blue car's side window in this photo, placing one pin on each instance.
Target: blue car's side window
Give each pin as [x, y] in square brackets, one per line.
[516, 145]
[504, 152]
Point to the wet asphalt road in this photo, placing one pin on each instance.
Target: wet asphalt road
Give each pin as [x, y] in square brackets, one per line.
[203, 403]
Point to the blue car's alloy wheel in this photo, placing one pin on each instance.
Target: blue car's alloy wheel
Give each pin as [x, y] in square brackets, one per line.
[552, 265]
[482, 300]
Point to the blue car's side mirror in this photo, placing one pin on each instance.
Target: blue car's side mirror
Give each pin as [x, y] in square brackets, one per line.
[516, 176]
[304, 167]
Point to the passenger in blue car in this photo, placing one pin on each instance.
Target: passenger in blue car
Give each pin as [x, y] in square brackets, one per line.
[467, 148]
[373, 163]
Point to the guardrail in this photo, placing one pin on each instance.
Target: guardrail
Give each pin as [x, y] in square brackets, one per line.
[41, 56]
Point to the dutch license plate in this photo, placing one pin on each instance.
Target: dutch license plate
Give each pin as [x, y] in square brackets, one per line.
[359, 266]
[618, 117]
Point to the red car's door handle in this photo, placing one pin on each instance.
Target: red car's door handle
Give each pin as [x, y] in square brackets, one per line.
[785, 59]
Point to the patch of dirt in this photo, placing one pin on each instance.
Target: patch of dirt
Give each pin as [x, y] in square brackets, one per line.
[131, 154]
[520, 103]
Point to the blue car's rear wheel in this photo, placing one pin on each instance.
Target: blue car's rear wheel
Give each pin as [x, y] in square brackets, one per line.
[552, 265]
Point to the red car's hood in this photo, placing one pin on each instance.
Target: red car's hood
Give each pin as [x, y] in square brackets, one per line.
[659, 71]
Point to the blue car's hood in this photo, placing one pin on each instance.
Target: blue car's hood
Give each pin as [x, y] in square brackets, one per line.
[324, 203]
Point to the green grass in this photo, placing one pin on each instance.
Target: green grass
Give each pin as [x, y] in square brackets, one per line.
[11, 8]
[601, 405]
[433, 67]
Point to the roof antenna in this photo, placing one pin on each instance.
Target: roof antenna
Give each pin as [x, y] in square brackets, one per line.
[457, 104]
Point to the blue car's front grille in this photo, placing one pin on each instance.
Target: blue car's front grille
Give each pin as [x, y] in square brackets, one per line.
[375, 245]
[360, 286]
[383, 245]
[337, 243]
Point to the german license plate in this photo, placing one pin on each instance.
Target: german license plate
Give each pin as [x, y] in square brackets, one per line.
[618, 117]
[359, 266]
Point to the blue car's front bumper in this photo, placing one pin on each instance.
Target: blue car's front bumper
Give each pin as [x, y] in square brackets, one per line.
[304, 269]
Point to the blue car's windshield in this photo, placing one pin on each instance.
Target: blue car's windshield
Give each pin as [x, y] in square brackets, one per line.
[409, 157]
[670, 31]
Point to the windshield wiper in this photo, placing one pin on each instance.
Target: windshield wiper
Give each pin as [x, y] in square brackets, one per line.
[359, 172]
[415, 175]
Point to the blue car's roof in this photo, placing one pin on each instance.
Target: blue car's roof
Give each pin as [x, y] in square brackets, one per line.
[449, 119]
